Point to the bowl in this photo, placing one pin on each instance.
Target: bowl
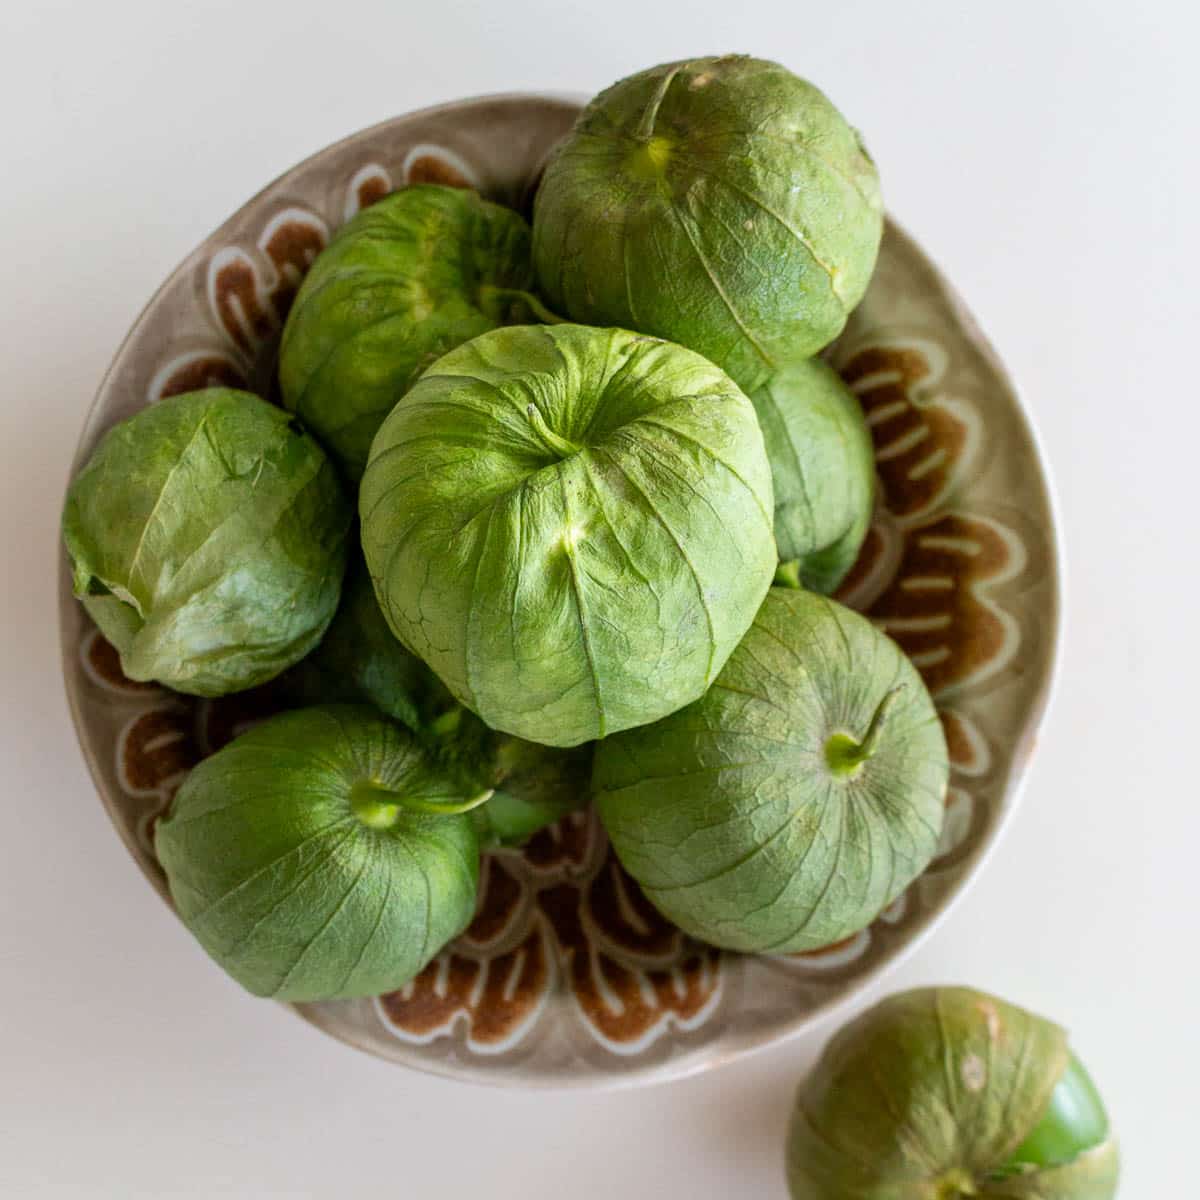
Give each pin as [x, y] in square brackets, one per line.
[567, 976]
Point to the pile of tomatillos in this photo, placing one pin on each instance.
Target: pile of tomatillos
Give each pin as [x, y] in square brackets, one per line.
[549, 515]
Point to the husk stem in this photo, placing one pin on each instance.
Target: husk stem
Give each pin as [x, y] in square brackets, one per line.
[955, 1185]
[549, 439]
[535, 306]
[645, 126]
[844, 754]
[379, 807]
[787, 574]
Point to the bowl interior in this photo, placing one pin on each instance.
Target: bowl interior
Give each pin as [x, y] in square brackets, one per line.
[567, 975]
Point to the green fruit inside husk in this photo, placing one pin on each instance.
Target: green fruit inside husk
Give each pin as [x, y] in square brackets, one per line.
[1074, 1122]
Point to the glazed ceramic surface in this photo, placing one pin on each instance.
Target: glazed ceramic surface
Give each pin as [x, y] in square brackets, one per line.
[567, 975]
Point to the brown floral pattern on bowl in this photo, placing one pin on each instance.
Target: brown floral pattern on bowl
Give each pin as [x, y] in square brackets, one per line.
[567, 975]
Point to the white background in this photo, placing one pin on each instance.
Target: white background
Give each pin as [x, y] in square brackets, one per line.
[1044, 152]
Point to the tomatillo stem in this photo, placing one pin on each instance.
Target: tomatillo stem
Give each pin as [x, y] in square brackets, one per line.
[954, 1184]
[379, 807]
[447, 723]
[787, 574]
[844, 754]
[551, 440]
[539, 310]
[440, 808]
[645, 125]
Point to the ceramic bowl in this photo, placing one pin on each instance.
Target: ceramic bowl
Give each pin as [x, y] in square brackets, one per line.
[567, 976]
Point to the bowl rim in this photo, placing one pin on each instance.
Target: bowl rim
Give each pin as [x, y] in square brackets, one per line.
[728, 1046]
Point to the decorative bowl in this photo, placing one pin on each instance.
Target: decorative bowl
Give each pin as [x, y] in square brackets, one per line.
[567, 976]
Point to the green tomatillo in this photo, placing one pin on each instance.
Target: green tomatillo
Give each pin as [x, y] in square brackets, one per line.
[207, 538]
[948, 1093]
[723, 203]
[407, 279]
[323, 854]
[786, 808]
[823, 469]
[359, 661]
[572, 526]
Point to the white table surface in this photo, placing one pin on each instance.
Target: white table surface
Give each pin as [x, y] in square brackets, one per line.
[1044, 152]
